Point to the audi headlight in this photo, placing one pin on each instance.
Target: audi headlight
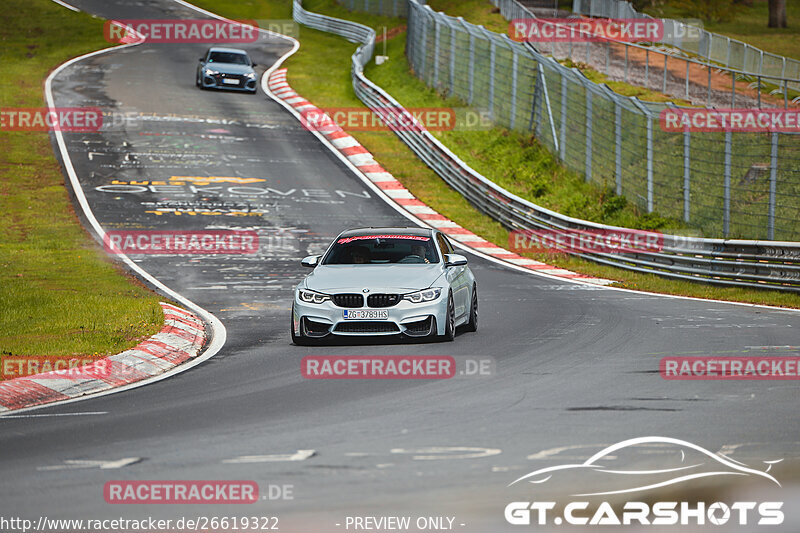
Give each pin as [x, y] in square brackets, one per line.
[311, 297]
[251, 75]
[209, 72]
[427, 295]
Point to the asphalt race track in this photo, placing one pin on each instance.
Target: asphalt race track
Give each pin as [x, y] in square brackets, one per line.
[575, 366]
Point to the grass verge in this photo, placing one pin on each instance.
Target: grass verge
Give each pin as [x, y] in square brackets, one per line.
[59, 294]
[508, 158]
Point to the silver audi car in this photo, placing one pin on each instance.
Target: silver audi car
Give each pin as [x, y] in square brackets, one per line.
[385, 281]
[226, 68]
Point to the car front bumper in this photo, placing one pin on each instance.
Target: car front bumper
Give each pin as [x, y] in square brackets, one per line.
[215, 82]
[413, 320]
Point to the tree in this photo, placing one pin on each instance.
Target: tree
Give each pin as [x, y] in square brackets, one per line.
[777, 13]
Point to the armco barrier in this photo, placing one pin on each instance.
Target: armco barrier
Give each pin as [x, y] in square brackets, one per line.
[762, 264]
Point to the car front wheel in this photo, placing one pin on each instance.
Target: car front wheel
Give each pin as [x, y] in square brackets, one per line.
[450, 320]
[298, 339]
[472, 325]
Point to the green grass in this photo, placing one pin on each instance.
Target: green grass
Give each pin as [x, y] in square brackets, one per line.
[488, 152]
[59, 294]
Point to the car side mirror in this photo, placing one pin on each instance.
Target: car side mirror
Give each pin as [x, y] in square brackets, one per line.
[311, 261]
[202, 59]
[254, 65]
[454, 260]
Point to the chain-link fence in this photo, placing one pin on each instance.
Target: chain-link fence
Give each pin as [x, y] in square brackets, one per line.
[731, 184]
[710, 46]
[675, 70]
[387, 8]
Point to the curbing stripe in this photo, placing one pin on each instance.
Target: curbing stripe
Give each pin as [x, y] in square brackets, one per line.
[180, 339]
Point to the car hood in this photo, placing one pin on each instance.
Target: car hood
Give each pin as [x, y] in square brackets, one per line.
[230, 68]
[376, 278]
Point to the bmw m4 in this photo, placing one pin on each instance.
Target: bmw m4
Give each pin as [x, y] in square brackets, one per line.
[385, 281]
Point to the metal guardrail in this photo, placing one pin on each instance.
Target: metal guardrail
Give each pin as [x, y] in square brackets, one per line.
[761, 264]
[733, 54]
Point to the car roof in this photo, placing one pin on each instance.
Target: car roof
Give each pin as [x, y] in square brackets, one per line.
[230, 50]
[426, 232]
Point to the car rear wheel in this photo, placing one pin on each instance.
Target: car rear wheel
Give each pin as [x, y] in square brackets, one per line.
[450, 320]
[472, 325]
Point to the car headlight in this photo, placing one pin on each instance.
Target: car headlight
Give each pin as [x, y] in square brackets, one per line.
[427, 295]
[252, 75]
[311, 297]
[209, 72]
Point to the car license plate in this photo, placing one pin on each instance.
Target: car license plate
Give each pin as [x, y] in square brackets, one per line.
[230, 81]
[365, 314]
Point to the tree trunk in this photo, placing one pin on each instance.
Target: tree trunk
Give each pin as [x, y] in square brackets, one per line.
[777, 13]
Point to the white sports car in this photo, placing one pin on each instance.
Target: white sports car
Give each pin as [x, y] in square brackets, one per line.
[385, 281]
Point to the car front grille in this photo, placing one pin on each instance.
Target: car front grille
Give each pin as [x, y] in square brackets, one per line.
[382, 300]
[367, 327]
[348, 300]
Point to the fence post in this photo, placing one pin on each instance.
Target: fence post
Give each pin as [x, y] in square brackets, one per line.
[537, 95]
[514, 62]
[452, 60]
[687, 140]
[588, 169]
[563, 133]
[618, 146]
[436, 33]
[423, 45]
[773, 181]
[649, 162]
[492, 53]
[664, 83]
[726, 209]
[687, 80]
[471, 67]
[626, 64]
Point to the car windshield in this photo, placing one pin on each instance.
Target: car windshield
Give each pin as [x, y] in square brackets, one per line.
[228, 57]
[382, 249]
